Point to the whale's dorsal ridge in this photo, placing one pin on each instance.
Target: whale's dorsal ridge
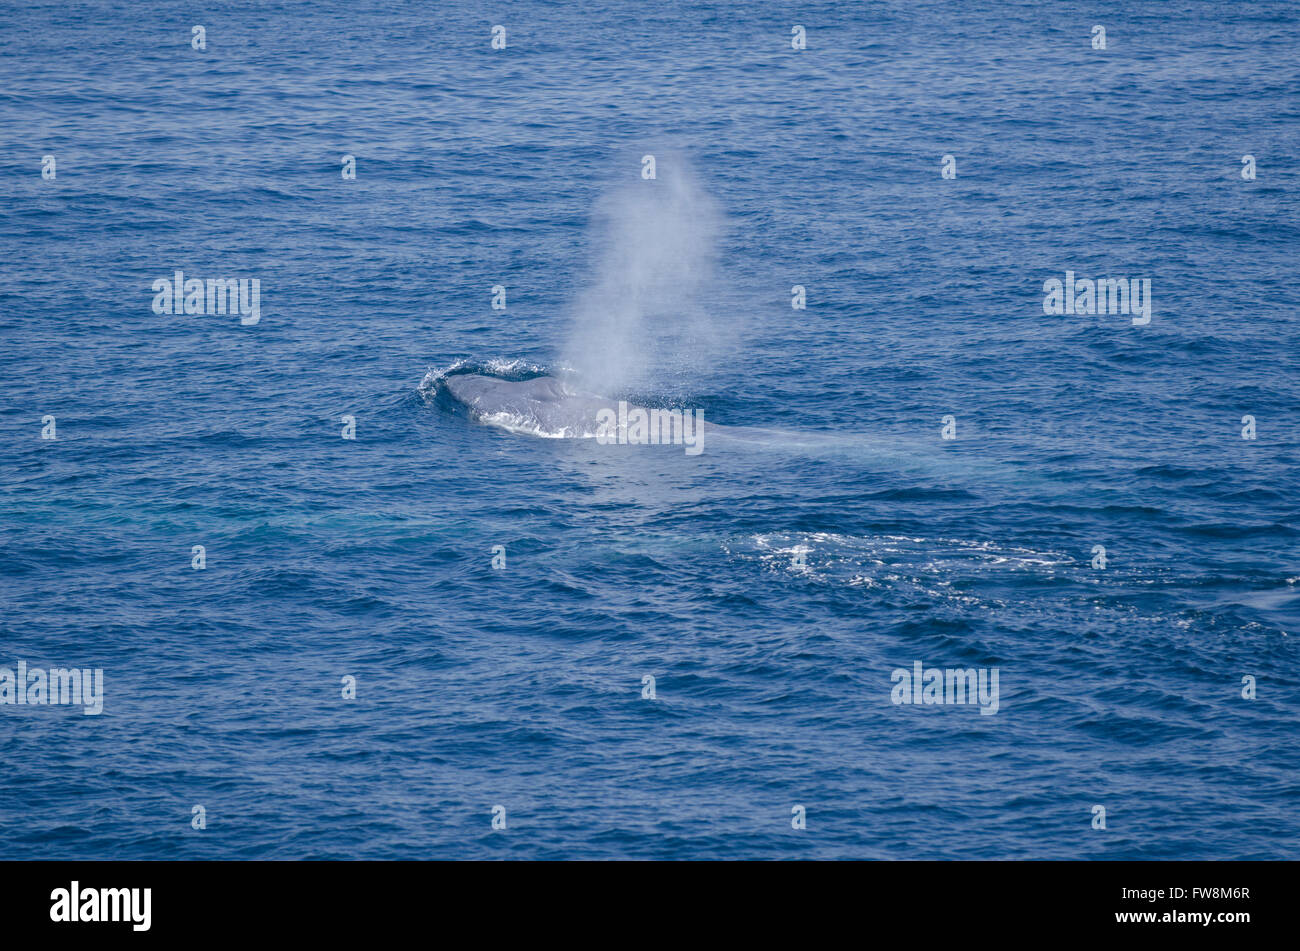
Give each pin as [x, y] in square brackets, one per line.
[544, 405]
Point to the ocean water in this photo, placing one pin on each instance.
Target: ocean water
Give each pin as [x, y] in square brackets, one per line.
[771, 585]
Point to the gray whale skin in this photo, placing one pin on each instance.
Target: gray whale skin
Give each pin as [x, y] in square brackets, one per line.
[543, 406]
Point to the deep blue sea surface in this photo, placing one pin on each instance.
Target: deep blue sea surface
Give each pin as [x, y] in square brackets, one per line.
[521, 687]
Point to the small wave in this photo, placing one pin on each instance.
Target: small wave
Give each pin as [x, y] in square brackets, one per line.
[937, 567]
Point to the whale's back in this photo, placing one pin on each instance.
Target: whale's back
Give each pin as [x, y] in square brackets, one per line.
[542, 406]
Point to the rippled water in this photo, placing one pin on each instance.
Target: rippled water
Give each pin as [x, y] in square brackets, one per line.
[771, 584]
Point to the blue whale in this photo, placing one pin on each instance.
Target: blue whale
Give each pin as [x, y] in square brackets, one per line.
[554, 408]
[543, 406]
